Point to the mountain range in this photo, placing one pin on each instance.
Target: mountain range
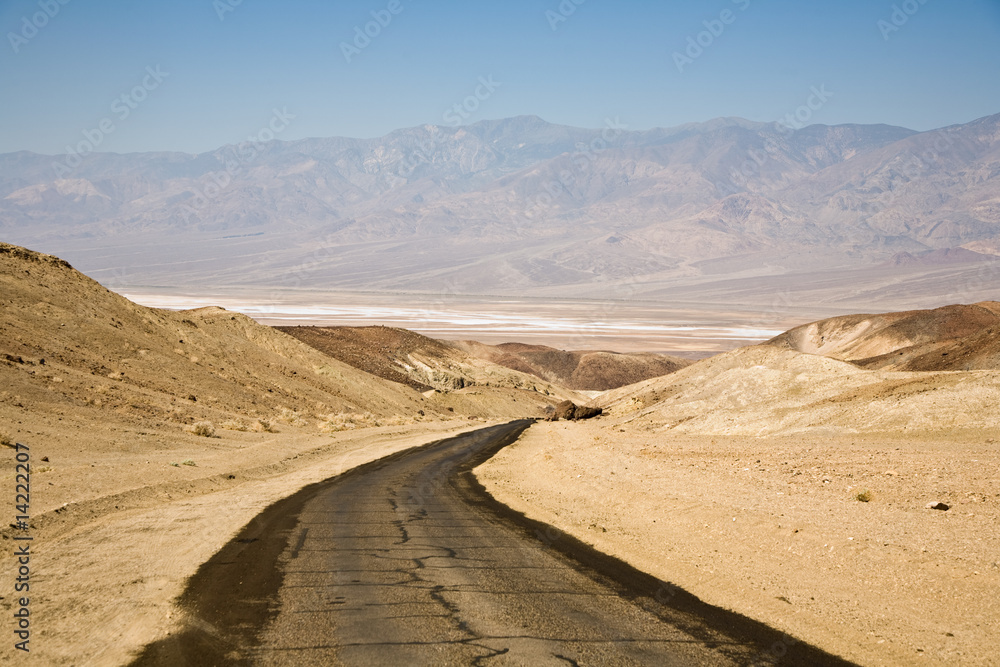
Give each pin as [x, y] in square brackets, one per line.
[726, 212]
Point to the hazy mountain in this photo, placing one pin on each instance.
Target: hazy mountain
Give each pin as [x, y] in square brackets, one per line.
[520, 205]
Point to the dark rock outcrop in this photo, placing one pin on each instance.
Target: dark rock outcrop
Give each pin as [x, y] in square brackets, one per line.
[570, 411]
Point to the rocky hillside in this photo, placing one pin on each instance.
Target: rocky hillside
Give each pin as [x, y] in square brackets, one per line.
[72, 350]
[418, 361]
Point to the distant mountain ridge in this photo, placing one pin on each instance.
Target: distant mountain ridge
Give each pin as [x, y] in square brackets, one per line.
[520, 205]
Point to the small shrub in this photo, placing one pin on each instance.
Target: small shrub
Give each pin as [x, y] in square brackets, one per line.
[235, 425]
[6, 441]
[864, 496]
[204, 429]
[291, 417]
[175, 464]
[346, 421]
[263, 426]
[189, 462]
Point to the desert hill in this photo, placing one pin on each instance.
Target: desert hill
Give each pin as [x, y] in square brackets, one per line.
[587, 370]
[70, 349]
[418, 361]
[956, 337]
[67, 340]
[762, 390]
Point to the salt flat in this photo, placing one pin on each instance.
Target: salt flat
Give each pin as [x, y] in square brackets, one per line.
[622, 326]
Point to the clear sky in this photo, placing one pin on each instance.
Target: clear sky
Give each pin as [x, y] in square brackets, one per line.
[225, 65]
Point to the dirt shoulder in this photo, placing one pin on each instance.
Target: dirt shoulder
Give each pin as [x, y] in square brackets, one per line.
[772, 528]
[116, 539]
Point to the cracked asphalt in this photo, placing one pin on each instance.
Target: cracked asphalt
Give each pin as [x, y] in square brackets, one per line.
[406, 561]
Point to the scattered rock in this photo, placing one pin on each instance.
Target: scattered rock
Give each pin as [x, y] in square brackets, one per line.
[572, 412]
[45, 458]
[937, 505]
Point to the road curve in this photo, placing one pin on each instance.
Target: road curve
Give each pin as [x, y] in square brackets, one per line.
[407, 561]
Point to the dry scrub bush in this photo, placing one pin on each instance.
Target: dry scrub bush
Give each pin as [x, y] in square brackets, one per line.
[263, 426]
[204, 429]
[864, 497]
[234, 425]
[6, 440]
[345, 421]
[291, 417]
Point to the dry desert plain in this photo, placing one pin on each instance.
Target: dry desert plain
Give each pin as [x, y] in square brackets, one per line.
[736, 478]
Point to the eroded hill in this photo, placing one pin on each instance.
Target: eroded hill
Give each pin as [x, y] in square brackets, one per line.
[587, 370]
[420, 362]
[956, 337]
[761, 390]
[71, 350]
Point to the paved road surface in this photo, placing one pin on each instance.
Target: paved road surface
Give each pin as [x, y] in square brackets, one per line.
[405, 561]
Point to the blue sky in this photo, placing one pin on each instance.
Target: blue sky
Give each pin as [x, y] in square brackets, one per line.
[926, 65]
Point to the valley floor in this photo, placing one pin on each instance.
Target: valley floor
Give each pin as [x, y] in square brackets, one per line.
[773, 528]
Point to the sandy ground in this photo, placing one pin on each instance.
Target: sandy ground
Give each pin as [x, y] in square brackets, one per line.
[772, 528]
[106, 566]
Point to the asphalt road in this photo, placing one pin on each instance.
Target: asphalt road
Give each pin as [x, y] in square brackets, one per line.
[407, 561]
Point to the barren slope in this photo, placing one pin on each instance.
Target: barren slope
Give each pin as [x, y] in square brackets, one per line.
[69, 344]
[66, 342]
[957, 337]
[761, 390]
[418, 361]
